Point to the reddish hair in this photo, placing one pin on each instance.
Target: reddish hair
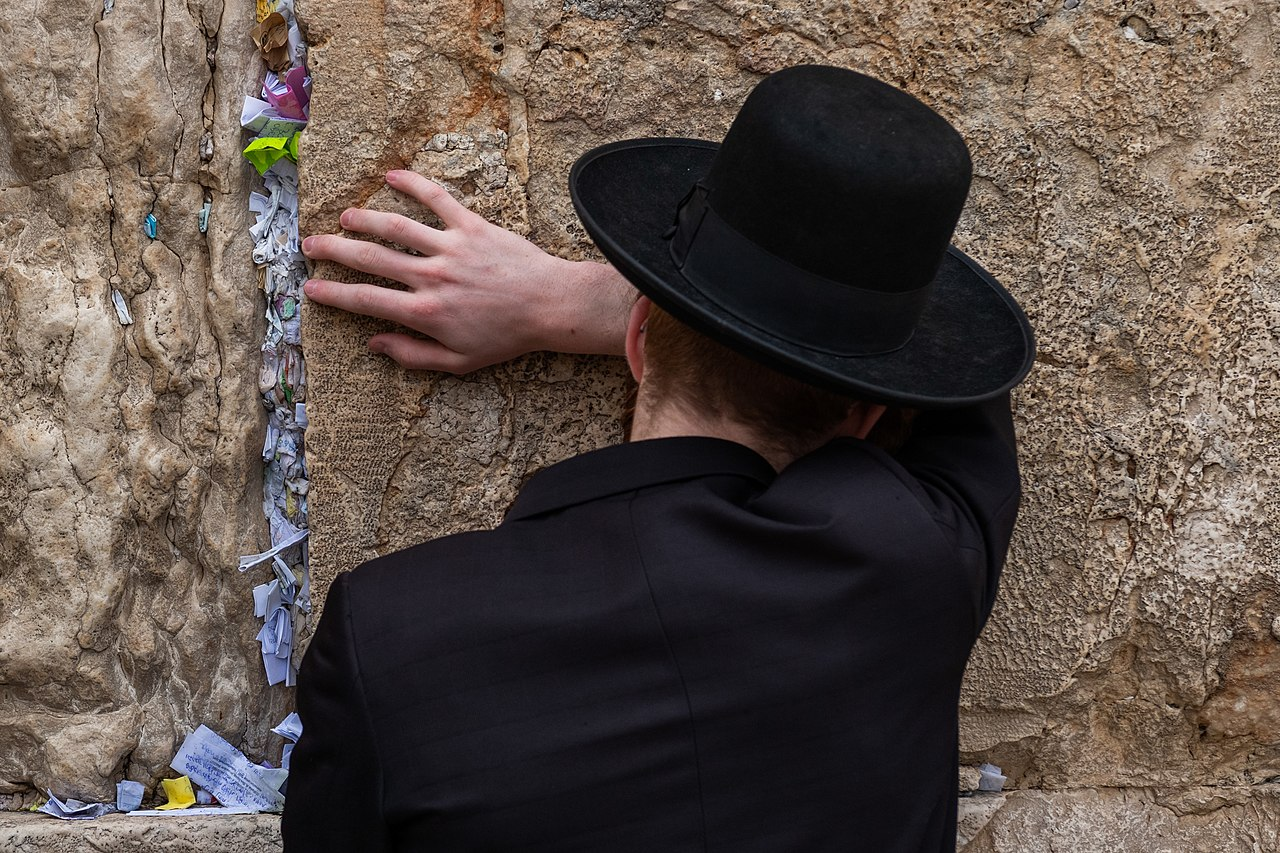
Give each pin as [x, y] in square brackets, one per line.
[688, 369]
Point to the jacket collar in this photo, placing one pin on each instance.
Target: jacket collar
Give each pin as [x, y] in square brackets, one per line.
[627, 467]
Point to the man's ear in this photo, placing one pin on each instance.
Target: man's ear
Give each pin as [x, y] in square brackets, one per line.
[635, 336]
[862, 417]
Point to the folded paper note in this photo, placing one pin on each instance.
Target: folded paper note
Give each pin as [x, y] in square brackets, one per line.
[990, 778]
[221, 769]
[194, 811]
[290, 94]
[248, 562]
[122, 309]
[276, 638]
[262, 119]
[179, 793]
[265, 151]
[73, 809]
[290, 728]
[129, 795]
[272, 38]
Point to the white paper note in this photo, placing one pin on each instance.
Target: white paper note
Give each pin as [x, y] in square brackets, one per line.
[74, 809]
[191, 812]
[251, 560]
[221, 769]
[290, 727]
[261, 119]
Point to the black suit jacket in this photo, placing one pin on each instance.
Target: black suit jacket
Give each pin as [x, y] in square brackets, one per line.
[667, 647]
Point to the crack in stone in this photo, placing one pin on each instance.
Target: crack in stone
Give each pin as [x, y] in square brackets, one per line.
[173, 97]
[113, 278]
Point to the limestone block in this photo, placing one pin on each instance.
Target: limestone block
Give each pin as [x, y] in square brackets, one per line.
[129, 479]
[1125, 171]
[1122, 192]
[400, 457]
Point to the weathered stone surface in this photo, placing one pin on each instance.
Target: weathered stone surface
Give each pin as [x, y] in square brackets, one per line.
[400, 457]
[1123, 192]
[128, 474]
[36, 833]
[1137, 820]
[1125, 171]
[973, 813]
[1126, 166]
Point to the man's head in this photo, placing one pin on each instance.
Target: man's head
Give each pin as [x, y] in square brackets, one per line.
[815, 240]
[688, 379]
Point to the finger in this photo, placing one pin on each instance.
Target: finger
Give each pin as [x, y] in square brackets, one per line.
[420, 353]
[392, 227]
[364, 256]
[434, 196]
[368, 299]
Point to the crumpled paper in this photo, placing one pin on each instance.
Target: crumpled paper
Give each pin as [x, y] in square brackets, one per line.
[74, 809]
[271, 35]
[265, 151]
[282, 378]
[290, 94]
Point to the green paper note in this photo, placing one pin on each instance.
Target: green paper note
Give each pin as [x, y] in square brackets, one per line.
[265, 151]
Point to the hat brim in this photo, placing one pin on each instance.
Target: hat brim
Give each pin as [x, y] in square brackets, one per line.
[972, 342]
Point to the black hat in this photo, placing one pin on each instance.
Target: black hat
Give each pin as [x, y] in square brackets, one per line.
[815, 239]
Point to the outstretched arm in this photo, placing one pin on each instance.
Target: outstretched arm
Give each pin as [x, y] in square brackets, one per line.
[479, 293]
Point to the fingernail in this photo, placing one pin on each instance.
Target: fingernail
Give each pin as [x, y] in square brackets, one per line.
[345, 219]
[309, 286]
[307, 243]
[375, 347]
[393, 176]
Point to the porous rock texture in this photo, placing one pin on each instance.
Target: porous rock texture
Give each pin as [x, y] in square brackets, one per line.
[1125, 159]
[129, 481]
[1221, 819]
[173, 833]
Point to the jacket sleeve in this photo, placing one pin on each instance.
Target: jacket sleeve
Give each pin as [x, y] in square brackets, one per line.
[334, 798]
[966, 462]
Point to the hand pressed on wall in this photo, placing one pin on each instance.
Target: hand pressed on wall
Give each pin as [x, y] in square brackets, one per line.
[480, 293]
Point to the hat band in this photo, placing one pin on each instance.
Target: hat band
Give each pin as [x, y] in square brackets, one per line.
[792, 304]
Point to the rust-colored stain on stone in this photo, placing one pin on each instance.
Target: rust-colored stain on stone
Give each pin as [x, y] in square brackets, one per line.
[1246, 705]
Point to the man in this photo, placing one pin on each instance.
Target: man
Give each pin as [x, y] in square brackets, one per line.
[746, 628]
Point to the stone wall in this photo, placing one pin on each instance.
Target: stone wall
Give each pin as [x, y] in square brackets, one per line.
[1125, 157]
[129, 477]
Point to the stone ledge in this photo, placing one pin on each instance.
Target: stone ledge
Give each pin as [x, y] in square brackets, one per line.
[1101, 820]
[1224, 819]
[28, 832]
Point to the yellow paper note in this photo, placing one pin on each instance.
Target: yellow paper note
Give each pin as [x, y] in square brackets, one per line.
[179, 793]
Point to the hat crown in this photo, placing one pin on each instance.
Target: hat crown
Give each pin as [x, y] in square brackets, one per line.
[842, 176]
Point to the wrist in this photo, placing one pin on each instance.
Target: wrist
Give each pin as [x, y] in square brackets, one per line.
[587, 309]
